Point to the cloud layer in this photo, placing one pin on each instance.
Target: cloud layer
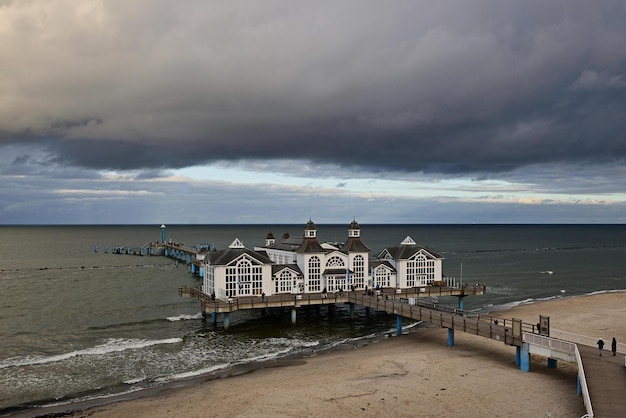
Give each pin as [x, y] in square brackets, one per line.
[410, 86]
[115, 97]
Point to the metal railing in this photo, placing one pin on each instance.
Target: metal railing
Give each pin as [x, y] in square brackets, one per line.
[583, 383]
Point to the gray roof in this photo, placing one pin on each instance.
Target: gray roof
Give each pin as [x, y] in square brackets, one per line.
[227, 256]
[287, 244]
[310, 245]
[277, 268]
[406, 251]
[376, 263]
[354, 245]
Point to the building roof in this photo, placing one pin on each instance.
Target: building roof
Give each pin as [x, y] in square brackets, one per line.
[277, 268]
[384, 263]
[354, 245]
[227, 256]
[287, 243]
[337, 270]
[310, 245]
[407, 249]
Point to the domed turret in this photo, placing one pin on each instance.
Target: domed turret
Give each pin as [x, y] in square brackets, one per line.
[355, 230]
[269, 239]
[310, 231]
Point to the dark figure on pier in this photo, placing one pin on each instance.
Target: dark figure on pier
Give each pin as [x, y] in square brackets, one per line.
[212, 295]
[614, 346]
[263, 297]
[600, 346]
[366, 293]
[538, 328]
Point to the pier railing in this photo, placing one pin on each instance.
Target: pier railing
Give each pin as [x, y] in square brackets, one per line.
[582, 381]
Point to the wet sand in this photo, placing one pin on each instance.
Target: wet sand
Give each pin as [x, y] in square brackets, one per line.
[415, 375]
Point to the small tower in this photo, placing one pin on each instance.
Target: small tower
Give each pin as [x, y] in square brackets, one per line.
[355, 230]
[269, 239]
[163, 233]
[310, 231]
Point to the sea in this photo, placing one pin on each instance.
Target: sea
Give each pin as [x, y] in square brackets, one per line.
[78, 323]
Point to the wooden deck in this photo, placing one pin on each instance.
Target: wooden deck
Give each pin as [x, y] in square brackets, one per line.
[606, 380]
[605, 375]
[210, 305]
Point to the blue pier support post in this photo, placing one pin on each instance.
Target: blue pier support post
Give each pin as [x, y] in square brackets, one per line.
[352, 311]
[450, 337]
[551, 363]
[226, 321]
[398, 325]
[525, 358]
[213, 318]
[460, 303]
[293, 316]
[163, 233]
[518, 356]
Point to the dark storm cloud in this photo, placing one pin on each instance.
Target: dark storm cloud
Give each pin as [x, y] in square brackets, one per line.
[446, 87]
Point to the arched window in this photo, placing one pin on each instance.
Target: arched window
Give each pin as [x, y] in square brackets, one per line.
[335, 262]
[284, 283]
[420, 271]
[382, 277]
[244, 278]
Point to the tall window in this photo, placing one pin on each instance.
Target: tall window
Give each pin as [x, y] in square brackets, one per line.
[420, 271]
[209, 280]
[315, 274]
[284, 282]
[382, 277]
[244, 278]
[358, 277]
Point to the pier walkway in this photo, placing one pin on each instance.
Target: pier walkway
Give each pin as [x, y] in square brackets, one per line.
[602, 379]
[606, 380]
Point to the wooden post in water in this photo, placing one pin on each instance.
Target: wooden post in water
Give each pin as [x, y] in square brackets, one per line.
[293, 316]
[226, 321]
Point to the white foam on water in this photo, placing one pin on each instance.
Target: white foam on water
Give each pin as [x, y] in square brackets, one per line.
[110, 346]
[193, 373]
[184, 317]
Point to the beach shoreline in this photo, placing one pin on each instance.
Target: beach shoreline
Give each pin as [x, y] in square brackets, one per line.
[392, 376]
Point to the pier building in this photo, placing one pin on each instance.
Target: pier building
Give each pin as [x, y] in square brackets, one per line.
[302, 265]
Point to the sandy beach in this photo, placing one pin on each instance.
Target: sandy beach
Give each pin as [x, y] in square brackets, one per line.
[415, 375]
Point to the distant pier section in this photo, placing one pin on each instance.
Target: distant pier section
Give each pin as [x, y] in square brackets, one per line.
[191, 255]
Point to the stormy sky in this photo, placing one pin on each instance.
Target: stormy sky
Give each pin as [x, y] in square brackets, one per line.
[158, 111]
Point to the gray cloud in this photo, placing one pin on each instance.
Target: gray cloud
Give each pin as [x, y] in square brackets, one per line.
[441, 87]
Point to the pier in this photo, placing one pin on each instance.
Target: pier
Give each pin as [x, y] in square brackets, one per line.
[601, 380]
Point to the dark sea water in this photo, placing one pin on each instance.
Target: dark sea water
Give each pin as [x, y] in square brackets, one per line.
[79, 324]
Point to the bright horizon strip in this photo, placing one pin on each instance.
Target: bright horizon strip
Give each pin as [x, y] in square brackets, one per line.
[462, 189]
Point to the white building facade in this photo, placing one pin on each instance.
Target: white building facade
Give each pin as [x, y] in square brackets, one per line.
[303, 265]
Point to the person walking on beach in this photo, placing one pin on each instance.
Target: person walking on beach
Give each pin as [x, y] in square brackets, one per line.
[614, 346]
[600, 346]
